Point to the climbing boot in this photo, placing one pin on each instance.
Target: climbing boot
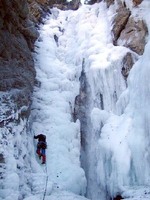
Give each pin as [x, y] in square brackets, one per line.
[43, 159]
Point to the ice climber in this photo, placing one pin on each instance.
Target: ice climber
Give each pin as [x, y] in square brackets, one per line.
[41, 146]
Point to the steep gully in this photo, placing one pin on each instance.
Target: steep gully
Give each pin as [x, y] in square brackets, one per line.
[21, 82]
[82, 108]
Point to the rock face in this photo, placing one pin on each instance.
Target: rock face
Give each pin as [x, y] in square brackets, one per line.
[109, 2]
[133, 35]
[120, 21]
[130, 32]
[127, 63]
[81, 106]
[127, 30]
[37, 9]
[17, 78]
[17, 36]
[136, 2]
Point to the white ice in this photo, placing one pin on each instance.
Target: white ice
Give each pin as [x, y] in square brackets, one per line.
[118, 150]
[86, 34]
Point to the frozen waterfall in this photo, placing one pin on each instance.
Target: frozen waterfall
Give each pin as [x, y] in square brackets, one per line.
[96, 121]
[86, 108]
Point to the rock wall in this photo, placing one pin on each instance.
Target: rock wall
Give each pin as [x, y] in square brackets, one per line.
[37, 9]
[17, 79]
[17, 36]
[133, 35]
[110, 2]
[128, 31]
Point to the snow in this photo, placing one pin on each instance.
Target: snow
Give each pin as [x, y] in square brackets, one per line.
[59, 195]
[63, 195]
[137, 192]
[117, 154]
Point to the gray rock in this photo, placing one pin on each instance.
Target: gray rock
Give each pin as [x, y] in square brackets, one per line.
[127, 63]
[17, 38]
[2, 159]
[109, 2]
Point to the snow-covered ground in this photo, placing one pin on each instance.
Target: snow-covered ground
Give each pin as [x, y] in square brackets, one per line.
[118, 139]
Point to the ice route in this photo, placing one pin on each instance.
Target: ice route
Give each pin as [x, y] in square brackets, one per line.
[58, 74]
[66, 39]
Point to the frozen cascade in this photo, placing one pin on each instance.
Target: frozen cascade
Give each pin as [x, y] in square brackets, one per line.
[81, 86]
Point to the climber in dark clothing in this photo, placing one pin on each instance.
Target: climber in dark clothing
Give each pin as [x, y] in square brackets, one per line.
[41, 146]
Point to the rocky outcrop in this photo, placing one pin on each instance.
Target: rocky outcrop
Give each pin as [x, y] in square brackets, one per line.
[133, 36]
[127, 63]
[73, 5]
[37, 9]
[137, 2]
[109, 2]
[17, 37]
[81, 105]
[17, 79]
[129, 31]
[120, 21]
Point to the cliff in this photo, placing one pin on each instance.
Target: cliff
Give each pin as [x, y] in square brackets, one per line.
[19, 21]
[17, 77]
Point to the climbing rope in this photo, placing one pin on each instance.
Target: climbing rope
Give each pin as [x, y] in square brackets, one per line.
[44, 195]
[45, 190]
